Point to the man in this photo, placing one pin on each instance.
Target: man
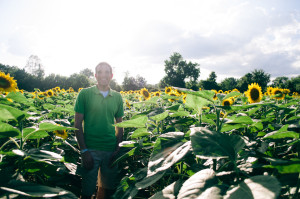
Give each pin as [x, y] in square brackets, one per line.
[99, 107]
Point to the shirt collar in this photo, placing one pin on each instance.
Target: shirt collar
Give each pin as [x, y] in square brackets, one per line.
[96, 91]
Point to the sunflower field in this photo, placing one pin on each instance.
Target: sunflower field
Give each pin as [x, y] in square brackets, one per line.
[178, 143]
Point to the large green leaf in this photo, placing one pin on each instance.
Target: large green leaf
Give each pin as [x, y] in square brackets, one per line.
[32, 133]
[18, 97]
[36, 190]
[197, 184]
[239, 120]
[51, 126]
[39, 155]
[166, 146]
[281, 133]
[8, 112]
[140, 132]
[205, 94]
[195, 102]
[167, 157]
[7, 130]
[260, 186]
[180, 114]
[139, 122]
[160, 117]
[211, 144]
[169, 192]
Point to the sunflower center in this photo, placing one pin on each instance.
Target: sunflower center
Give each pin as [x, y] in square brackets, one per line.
[4, 83]
[146, 94]
[254, 93]
[226, 103]
[60, 132]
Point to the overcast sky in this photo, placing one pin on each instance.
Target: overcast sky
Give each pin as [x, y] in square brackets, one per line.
[230, 37]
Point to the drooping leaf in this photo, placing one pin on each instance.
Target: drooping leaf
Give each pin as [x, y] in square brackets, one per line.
[197, 184]
[211, 144]
[47, 126]
[196, 102]
[167, 157]
[139, 122]
[36, 190]
[39, 155]
[180, 114]
[140, 132]
[6, 130]
[32, 133]
[8, 113]
[18, 97]
[169, 192]
[160, 116]
[260, 186]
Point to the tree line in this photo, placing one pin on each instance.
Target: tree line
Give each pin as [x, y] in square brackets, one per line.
[178, 73]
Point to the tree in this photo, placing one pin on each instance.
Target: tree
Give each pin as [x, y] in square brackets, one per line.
[210, 82]
[178, 71]
[228, 83]
[280, 82]
[35, 67]
[133, 83]
[294, 84]
[261, 78]
[244, 81]
[87, 72]
[114, 85]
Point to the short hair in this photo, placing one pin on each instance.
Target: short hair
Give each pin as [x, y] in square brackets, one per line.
[103, 64]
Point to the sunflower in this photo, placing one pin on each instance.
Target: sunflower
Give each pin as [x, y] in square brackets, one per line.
[50, 93]
[79, 89]
[41, 95]
[215, 96]
[235, 89]
[227, 102]
[173, 93]
[269, 90]
[254, 93]
[144, 92]
[286, 91]
[10, 100]
[168, 90]
[220, 91]
[184, 98]
[7, 83]
[157, 94]
[61, 133]
[127, 104]
[278, 93]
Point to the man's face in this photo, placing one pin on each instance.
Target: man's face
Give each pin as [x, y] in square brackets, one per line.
[103, 75]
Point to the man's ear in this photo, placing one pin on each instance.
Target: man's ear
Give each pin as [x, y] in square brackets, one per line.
[112, 75]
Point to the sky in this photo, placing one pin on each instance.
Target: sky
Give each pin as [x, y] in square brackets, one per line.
[230, 37]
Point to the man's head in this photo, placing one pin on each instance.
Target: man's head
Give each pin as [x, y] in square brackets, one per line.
[103, 74]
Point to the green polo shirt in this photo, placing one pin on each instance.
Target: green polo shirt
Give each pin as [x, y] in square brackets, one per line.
[99, 117]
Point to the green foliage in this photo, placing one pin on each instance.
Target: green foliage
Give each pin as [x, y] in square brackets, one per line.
[179, 72]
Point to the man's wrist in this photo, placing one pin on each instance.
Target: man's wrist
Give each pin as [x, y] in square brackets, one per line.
[83, 151]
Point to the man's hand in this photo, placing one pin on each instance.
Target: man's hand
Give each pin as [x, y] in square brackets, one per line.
[87, 160]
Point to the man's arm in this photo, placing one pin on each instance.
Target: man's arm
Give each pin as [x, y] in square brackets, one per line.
[87, 158]
[119, 133]
[79, 132]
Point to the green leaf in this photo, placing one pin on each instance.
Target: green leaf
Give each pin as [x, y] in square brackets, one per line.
[195, 102]
[160, 117]
[36, 190]
[280, 135]
[39, 155]
[197, 184]
[167, 157]
[7, 130]
[8, 112]
[205, 94]
[180, 114]
[240, 120]
[137, 123]
[232, 94]
[229, 127]
[140, 132]
[211, 144]
[168, 192]
[255, 187]
[290, 168]
[47, 126]
[17, 97]
[32, 133]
